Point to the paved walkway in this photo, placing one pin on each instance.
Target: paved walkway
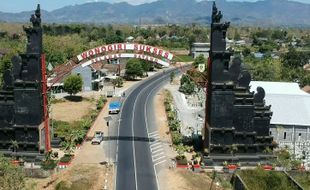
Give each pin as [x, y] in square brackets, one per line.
[186, 114]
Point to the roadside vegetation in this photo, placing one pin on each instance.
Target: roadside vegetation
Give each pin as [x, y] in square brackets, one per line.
[73, 133]
[178, 141]
[266, 180]
[11, 175]
[303, 178]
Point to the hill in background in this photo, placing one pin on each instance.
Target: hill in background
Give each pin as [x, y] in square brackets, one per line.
[260, 13]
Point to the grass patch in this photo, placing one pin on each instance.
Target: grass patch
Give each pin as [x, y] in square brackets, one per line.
[183, 58]
[66, 158]
[303, 178]
[222, 178]
[259, 179]
[64, 130]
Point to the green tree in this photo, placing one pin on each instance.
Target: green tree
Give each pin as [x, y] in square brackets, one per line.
[237, 35]
[147, 66]
[199, 60]
[134, 68]
[185, 79]
[176, 137]
[14, 146]
[187, 85]
[279, 34]
[118, 82]
[11, 177]
[188, 88]
[69, 143]
[246, 52]
[73, 84]
[5, 63]
[283, 158]
[264, 70]
[295, 58]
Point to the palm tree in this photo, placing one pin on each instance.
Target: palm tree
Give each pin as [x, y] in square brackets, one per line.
[68, 145]
[14, 146]
[213, 178]
[233, 149]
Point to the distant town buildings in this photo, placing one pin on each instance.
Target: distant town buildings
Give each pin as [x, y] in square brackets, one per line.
[94, 76]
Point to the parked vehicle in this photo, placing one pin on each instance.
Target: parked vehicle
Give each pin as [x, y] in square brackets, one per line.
[98, 137]
[115, 107]
[110, 93]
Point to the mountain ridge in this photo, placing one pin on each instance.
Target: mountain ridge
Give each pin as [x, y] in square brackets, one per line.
[265, 13]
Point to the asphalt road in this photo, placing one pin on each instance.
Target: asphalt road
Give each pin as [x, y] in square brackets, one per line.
[135, 169]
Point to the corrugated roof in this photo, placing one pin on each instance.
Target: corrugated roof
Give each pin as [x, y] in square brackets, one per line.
[289, 104]
[278, 87]
[289, 109]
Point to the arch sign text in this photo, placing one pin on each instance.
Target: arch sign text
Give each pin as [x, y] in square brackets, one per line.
[95, 52]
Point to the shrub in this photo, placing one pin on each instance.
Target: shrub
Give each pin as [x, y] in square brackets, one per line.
[81, 184]
[66, 158]
[102, 100]
[181, 160]
[171, 115]
[176, 137]
[63, 185]
[49, 164]
[174, 125]
[118, 82]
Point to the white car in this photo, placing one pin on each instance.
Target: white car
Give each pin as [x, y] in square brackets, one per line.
[98, 137]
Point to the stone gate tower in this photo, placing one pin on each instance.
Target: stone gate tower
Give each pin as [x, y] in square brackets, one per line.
[237, 120]
[21, 106]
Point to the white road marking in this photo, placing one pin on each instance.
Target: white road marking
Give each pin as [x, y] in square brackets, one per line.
[133, 142]
[160, 162]
[158, 154]
[155, 144]
[154, 132]
[159, 158]
[158, 150]
[154, 135]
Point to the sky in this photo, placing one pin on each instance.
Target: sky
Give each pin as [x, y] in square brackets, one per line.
[27, 5]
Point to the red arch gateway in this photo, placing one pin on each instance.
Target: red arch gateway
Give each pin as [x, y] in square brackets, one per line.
[106, 49]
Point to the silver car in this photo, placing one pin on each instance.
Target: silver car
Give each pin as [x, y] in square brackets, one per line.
[98, 137]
